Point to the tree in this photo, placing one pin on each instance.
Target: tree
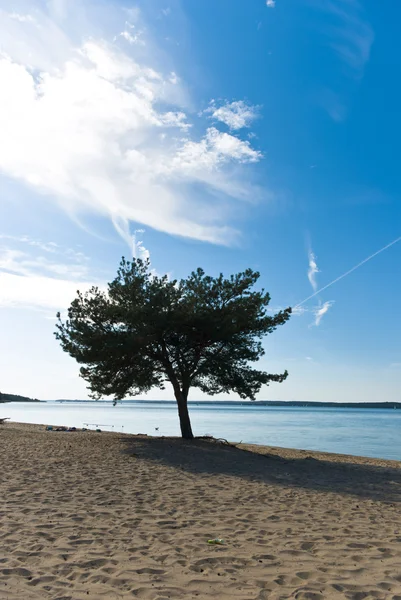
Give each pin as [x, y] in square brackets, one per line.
[145, 330]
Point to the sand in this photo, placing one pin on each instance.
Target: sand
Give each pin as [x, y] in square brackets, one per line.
[101, 515]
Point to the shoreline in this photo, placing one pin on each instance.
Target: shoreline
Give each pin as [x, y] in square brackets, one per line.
[354, 432]
[250, 403]
[119, 516]
[262, 449]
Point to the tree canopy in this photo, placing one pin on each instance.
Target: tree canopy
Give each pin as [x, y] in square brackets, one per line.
[145, 330]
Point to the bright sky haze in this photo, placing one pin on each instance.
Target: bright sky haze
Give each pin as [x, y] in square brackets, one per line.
[217, 134]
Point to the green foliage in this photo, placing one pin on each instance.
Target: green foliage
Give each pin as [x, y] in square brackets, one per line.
[145, 330]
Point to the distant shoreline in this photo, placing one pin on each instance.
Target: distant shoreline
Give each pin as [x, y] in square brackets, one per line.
[6, 398]
[279, 403]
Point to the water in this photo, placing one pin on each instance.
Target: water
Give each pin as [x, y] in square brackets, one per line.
[362, 432]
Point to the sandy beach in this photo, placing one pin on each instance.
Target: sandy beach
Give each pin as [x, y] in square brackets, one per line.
[101, 515]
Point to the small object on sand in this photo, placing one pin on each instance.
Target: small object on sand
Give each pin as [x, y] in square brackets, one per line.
[98, 430]
[3, 420]
[72, 429]
[49, 428]
[217, 541]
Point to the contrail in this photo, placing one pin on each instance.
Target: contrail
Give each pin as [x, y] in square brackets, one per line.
[348, 272]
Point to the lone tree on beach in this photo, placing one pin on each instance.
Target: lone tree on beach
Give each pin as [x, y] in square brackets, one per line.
[145, 330]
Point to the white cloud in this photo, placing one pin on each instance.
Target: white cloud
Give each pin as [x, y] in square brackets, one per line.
[313, 270]
[57, 261]
[22, 18]
[98, 128]
[298, 311]
[236, 115]
[354, 268]
[45, 276]
[142, 252]
[25, 239]
[38, 291]
[320, 310]
[270, 3]
[131, 39]
[38, 282]
[139, 249]
[216, 148]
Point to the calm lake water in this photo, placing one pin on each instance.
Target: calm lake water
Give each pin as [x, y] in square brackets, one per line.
[363, 432]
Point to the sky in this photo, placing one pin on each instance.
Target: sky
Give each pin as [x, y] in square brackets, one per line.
[221, 135]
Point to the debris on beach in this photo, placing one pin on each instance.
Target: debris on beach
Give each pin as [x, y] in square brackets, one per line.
[62, 428]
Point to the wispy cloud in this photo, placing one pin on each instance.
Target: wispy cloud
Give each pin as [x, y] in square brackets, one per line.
[34, 280]
[398, 239]
[270, 3]
[38, 292]
[313, 270]
[131, 38]
[22, 18]
[349, 33]
[320, 310]
[25, 239]
[236, 115]
[99, 127]
[298, 311]
[139, 249]
[334, 103]
[350, 36]
[23, 255]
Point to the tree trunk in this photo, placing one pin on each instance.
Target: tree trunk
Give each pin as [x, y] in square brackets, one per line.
[185, 423]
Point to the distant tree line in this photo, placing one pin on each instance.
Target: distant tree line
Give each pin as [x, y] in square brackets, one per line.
[16, 398]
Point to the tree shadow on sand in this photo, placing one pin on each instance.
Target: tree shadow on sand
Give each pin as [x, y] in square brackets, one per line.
[356, 477]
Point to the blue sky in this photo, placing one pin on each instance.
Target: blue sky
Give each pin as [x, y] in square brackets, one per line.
[231, 135]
